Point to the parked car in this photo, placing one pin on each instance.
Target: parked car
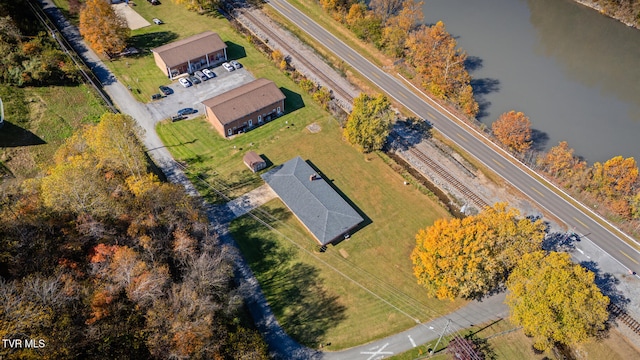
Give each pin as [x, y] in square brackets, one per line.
[154, 2]
[186, 111]
[166, 90]
[210, 74]
[157, 21]
[200, 75]
[194, 79]
[175, 118]
[185, 82]
[236, 64]
[228, 66]
[156, 96]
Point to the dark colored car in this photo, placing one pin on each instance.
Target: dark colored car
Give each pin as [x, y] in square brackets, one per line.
[156, 96]
[186, 111]
[154, 2]
[166, 90]
[194, 79]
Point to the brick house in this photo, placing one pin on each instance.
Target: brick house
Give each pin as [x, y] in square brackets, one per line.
[245, 107]
[190, 54]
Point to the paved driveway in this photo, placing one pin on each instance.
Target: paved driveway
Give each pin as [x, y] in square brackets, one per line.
[193, 96]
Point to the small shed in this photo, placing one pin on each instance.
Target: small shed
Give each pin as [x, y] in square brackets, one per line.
[254, 161]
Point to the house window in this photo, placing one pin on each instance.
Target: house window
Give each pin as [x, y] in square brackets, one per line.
[229, 132]
[251, 121]
[278, 108]
[259, 119]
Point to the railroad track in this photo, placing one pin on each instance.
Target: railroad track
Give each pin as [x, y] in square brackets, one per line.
[621, 315]
[332, 85]
[444, 174]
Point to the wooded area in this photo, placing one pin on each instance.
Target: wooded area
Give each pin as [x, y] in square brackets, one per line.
[106, 31]
[101, 259]
[430, 52]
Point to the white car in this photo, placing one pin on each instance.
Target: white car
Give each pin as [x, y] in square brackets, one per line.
[228, 66]
[236, 64]
[184, 82]
[157, 21]
[209, 73]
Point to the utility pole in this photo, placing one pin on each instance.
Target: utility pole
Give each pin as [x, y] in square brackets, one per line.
[441, 335]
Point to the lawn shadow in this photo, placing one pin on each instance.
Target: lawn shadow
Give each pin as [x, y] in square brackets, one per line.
[235, 51]
[366, 220]
[293, 100]
[606, 282]
[152, 40]
[14, 136]
[295, 291]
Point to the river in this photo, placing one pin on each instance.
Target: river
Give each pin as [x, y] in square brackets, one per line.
[574, 72]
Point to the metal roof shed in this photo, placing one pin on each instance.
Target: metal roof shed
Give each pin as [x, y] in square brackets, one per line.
[312, 200]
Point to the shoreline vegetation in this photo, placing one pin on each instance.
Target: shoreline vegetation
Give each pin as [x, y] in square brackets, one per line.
[623, 13]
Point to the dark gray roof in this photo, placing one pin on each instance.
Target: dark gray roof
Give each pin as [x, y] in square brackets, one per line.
[320, 208]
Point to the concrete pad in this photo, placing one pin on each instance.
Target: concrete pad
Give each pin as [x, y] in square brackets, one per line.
[251, 200]
[134, 20]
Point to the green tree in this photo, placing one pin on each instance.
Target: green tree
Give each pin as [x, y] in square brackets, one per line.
[104, 30]
[369, 123]
[555, 300]
[471, 256]
[513, 129]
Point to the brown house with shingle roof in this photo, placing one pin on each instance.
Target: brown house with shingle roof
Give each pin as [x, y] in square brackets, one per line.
[245, 107]
[190, 54]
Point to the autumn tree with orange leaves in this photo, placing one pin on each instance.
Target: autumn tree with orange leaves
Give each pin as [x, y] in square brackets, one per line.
[513, 129]
[435, 55]
[472, 256]
[104, 30]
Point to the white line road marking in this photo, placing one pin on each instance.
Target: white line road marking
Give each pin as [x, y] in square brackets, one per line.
[413, 343]
[581, 252]
[376, 354]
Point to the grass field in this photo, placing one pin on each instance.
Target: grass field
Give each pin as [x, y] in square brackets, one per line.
[376, 257]
[38, 120]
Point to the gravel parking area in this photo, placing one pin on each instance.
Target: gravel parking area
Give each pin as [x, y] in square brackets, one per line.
[193, 96]
[134, 20]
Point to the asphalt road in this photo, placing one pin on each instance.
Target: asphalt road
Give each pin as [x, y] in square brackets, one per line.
[467, 138]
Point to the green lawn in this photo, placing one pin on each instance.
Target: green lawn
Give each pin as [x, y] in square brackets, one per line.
[38, 120]
[377, 256]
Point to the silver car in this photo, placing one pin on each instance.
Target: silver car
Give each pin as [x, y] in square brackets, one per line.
[236, 64]
[200, 75]
[184, 82]
[228, 66]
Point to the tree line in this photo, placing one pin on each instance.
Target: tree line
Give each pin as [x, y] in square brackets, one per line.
[613, 185]
[29, 57]
[101, 259]
[627, 11]
[430, 52]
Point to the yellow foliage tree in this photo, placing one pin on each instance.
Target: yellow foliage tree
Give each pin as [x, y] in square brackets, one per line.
[104, 30]
[513, 129]
[555, 300]
[115, 144]
[471, 256]
[616, 177]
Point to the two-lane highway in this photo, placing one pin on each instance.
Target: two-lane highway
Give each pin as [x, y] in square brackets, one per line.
[495, 159]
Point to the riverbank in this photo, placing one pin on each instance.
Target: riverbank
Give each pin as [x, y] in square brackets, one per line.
[603, 11]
